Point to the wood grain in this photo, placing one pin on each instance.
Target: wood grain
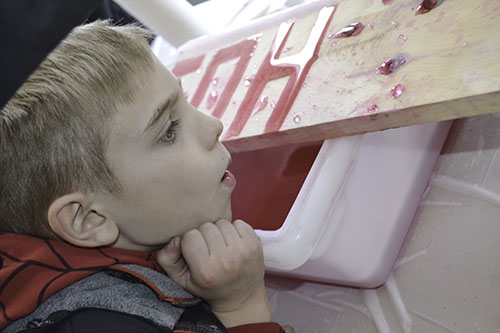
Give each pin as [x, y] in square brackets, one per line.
[452, 70]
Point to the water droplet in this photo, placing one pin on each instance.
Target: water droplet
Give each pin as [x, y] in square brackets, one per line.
[333, 44]
[297, 119]
[351, 30]
[248, 80]
[353, 53]
[304, 84]
[464, 44]
[198, 71]
[286, 49]
[255, 46]
[386, 2]
[256, 38]
[234, 104]
[370, 26]
[395, 24]
[251, 54]
[403, 37]
[397, 90]
[372, 108]
[260, 105]
[272, 104]
[212, 99]
[391, 65]
[215, 80]
[315, 107]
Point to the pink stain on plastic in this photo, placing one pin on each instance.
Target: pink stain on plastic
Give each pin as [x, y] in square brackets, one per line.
[391, 65]
[234, 104]
[397, 90]
[351, 30]
[212, 99]
[286, 49]
[464, 44]
[297, 118]
[315, 107]
[260, 105]
[386, 2]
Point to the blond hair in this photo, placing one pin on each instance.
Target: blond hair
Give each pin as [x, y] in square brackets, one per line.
[53, 132]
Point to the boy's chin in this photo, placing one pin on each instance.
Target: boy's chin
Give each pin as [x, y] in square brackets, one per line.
[229, 215]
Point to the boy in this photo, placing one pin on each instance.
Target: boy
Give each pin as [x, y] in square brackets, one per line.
[108, 177]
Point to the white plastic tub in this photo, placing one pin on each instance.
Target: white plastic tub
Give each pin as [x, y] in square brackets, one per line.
[351, 215]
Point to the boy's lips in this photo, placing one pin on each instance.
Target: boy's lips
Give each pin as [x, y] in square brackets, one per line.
[229, 179]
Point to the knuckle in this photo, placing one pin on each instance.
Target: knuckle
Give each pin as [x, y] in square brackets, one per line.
[207, 278]
[206, 226]
[244, 227]
[239, 222]
[161, 257]
[190, 234]
[221, 223]
[230, 264]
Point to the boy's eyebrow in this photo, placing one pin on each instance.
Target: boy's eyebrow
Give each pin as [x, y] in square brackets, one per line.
[160, 110]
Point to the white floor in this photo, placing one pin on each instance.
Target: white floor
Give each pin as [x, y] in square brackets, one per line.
[447, 277]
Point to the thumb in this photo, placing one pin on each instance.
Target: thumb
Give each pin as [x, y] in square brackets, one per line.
[172, 262]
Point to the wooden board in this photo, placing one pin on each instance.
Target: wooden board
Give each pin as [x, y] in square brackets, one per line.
[291, 82]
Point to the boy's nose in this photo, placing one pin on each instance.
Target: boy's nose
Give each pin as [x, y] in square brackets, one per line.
[220, 128]
[212, 129]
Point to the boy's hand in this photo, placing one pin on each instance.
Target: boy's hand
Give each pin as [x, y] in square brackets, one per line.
[222, 263]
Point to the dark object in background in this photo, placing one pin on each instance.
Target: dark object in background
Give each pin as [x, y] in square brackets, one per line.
[31, 29]
[110, 10]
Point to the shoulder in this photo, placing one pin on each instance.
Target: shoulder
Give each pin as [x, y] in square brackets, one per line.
[96, 321]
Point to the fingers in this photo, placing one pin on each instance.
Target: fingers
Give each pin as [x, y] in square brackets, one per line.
[195, 249]
[213, 236]
[244, 229]
[170, 259]
[229, 232]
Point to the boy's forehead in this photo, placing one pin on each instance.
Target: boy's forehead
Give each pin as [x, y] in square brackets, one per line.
[148, 98]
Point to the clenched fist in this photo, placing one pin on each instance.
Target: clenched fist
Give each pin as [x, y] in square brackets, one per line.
[222, 263]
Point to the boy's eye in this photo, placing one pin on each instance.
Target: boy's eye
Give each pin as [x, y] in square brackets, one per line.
[171, 133]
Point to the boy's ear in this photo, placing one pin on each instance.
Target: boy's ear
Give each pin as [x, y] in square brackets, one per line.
[74, 218]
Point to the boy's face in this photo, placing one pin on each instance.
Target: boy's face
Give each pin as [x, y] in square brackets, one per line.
[170, 163]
